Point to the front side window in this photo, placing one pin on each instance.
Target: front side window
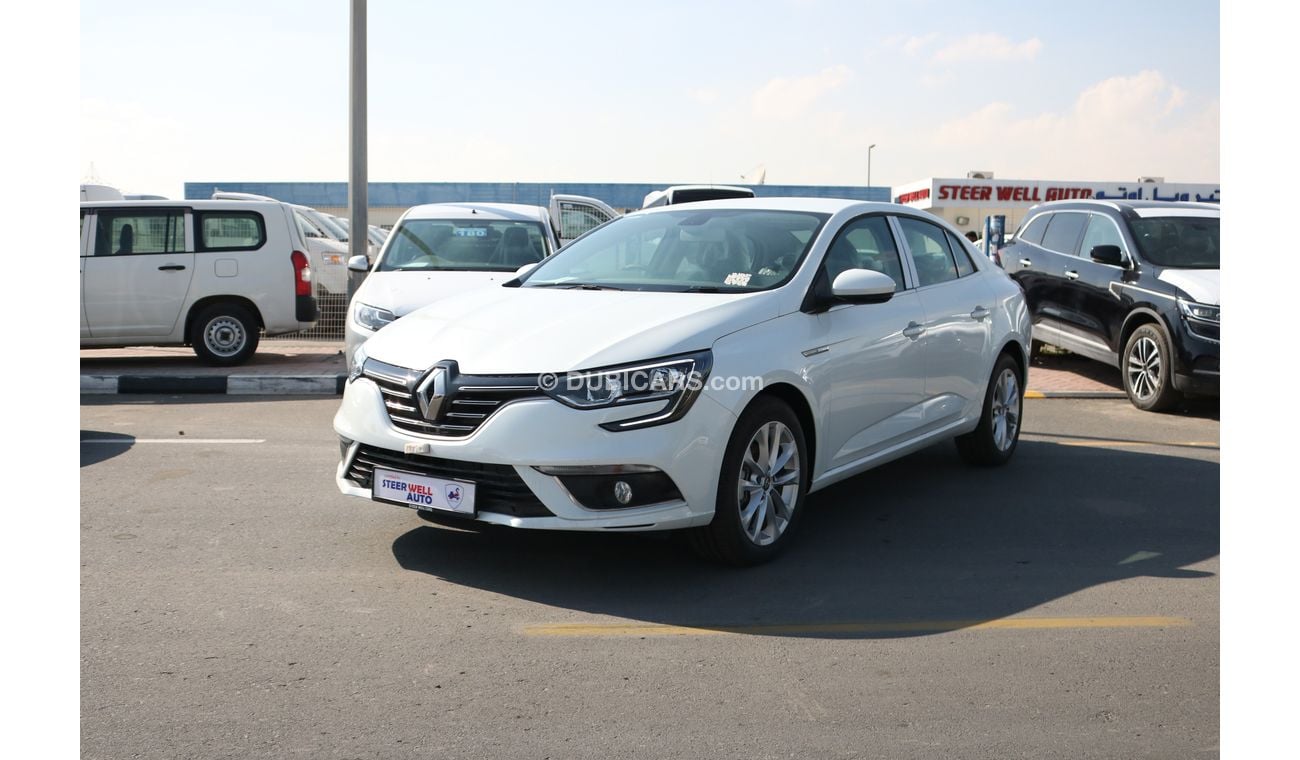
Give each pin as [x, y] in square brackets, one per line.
[229, 230]
[686, 250]
[1181, 242]
[463, 245]
[1063, 232]
[864, 244]
[1101, 231]
[930, 251]
[125, 233]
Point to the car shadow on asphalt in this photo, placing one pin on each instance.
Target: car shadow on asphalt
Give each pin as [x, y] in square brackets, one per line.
[97, 446]
[922, 539]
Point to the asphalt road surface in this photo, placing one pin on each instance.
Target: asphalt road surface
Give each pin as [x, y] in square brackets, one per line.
[235, 605]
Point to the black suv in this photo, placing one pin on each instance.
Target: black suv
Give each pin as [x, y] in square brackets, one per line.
[1131, 283]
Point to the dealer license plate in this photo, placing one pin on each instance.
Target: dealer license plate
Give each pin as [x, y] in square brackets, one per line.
[422, 492]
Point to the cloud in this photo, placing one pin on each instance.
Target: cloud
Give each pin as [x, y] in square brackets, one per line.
[988, 47]
[913, 45]
[1118, 128]
[788, 97]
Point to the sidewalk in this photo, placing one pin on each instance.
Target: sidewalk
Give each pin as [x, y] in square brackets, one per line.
[318, 368]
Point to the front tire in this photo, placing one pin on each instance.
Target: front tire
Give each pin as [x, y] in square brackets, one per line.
[994, 440]
[764, 479]
[1147, 367]
[224, 335]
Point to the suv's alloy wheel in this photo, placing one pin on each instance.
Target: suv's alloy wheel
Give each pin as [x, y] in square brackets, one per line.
[1147, 368]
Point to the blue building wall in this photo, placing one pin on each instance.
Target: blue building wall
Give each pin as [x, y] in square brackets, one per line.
[406, 194]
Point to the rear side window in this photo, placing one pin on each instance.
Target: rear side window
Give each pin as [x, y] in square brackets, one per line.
[930, 252]
[137, 231]
[964, 265]
[1033, 233]
[229, 230]
[1063, 233]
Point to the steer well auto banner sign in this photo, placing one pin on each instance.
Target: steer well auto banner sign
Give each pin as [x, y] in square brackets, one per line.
[1022, 193]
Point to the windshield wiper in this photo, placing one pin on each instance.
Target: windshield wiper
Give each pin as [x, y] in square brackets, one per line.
[575, 286]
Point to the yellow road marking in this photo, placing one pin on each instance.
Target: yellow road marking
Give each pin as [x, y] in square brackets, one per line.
[1035, 394]
[865, 627]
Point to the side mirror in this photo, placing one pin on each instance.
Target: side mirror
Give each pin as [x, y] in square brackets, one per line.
[359, 264]
[525, 269]
[863, 286]
[1107, 254]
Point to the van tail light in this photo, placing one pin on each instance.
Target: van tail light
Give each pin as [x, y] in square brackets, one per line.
[301, 274]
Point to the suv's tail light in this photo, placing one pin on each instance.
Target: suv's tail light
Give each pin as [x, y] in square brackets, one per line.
[301, 274]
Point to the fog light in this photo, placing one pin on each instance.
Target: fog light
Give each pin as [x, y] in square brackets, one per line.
[615, 486]
[623, 492]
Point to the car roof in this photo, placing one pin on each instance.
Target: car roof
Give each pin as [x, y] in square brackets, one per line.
[168, 203]
[769, 203]
[481, 211]
[1138, 207]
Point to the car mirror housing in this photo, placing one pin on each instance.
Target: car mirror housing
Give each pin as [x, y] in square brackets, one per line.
[1107, 254]
[863, 286]
[359, 263]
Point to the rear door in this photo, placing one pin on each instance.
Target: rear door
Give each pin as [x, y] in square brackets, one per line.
[137, 276]
[958, 320]
[573, 215]
[87, 219]
[1059, 255]
[1089, 304]
[1024, 260]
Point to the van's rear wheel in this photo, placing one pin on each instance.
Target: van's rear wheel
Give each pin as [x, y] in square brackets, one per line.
[224, 334]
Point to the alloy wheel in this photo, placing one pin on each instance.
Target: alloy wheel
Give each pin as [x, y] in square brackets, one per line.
[768, 491]
[1006, 410]
[1144, 368]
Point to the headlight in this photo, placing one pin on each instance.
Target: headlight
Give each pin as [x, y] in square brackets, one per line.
[1201, 311]
[677, 380]
[371, 317]
[358, 363]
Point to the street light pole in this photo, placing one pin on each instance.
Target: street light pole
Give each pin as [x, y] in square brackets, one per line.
[358, 200]
[869, 149]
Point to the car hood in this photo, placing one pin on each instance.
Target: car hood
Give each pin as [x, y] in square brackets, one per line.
[404, 292]
[1199, 284]
[499, 330]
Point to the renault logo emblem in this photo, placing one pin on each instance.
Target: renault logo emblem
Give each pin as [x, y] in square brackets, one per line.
[431, 391]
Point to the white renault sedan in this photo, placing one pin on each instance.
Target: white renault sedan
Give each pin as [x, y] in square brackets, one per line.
[700, 367]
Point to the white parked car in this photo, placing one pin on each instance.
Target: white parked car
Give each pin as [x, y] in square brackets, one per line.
[693, 194]
[440, 250]
[210, 274]
[701, 367]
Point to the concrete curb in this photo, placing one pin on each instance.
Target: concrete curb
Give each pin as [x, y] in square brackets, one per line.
[1075, 394]
[245, 385]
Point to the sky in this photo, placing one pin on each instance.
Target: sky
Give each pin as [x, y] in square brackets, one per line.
[650, 92]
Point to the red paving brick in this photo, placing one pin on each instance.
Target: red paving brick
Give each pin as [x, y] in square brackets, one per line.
[1049, 373]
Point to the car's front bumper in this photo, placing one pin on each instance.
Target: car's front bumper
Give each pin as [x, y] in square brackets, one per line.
[1197, 368]
[542, 432]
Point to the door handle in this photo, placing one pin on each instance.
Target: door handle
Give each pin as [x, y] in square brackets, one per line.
[913, 330]
[979, 314]
[1026, 263]
[171, 267]
[1071, 275]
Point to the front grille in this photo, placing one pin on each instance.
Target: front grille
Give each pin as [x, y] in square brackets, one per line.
[469, 401]
[498, 488]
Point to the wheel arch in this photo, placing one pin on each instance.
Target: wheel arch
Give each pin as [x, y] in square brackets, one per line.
[794, 398]
[1138, 316]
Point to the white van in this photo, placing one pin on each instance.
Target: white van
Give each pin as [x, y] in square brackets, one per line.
[693, 193]
[326, 244]
[209, 274]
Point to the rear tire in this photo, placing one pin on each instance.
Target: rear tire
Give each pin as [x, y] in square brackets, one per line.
[994, 440]
[761, 489]
[224, 334]
[1147, 367]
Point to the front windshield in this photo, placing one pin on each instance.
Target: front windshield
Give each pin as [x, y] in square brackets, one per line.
[329, 225]
[1178, 242]
[686, 250]
[464, 245]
